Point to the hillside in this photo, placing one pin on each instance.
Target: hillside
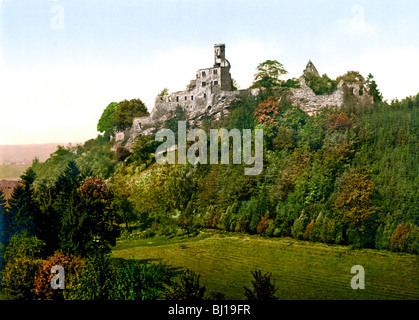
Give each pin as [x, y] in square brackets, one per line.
[340, 179]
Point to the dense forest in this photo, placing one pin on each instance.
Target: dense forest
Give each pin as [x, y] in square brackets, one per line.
[343, 176]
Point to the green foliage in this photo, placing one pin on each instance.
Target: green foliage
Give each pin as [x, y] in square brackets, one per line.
[268, 74]
[373, 89]
[164, 92]
[21, 214]
[263, 287]
[89, 222]
[135, 280]
[351, 77]
[21, 260]
[187, 288]
[106, 122]
[94, 280]
[127, 111]
[320, 85]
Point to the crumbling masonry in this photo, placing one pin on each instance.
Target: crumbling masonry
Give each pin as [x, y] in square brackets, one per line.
[211, 93]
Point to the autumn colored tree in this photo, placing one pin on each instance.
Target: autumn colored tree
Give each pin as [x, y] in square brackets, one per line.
[398, 236]
[268, 110]
[339, 121]
[43, 276]
[262, 225]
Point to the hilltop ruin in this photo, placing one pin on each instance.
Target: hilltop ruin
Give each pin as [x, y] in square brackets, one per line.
[212, 92]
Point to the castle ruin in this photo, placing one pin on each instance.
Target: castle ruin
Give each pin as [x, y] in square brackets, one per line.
[211, 93]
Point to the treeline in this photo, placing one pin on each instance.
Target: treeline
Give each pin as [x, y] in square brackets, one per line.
[346, 176]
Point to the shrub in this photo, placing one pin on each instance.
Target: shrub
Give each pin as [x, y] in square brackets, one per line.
[309, 229]
[320, 85]
[285, 139]
[263, 288]
[262, 225]
[401, 232]
[187, 288]
[339, 121]
[42, 284]
[93, 281]
[18, 277]
[211, 222]
[134, 280]
[352, 77]
[267, 111]
[21, 259]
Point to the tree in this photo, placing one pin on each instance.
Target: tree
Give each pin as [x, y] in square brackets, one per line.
[106, 121]
[127, 111]
[354, 202]
[373, 89]
[89, 222]
[22, 211]
[268, 74]
[43, 276]
[164, 92]
[268, 110]
[187, 288]
[263, 288]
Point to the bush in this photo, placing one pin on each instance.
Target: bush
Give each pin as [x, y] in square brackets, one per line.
[134, 280]
[42, 284]
[405, 238]
[18, 278]
[187, 288]
[21, 259]
[320, 85]
[93, 282]
[263, 288]
[262, 225]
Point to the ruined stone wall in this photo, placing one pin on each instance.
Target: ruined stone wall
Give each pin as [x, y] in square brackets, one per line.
[211, 94]
[346, 93]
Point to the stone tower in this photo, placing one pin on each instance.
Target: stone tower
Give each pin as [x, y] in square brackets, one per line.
[220, 56]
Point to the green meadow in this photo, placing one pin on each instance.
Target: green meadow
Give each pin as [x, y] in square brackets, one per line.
[300, 269]
[12, 171]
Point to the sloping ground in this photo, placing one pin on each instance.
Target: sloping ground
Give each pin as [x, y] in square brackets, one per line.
[301, 270]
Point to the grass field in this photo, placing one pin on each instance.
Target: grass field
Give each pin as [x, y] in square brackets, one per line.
[12, 171]
[301, 270]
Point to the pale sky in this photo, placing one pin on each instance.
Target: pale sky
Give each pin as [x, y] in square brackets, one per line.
[62, 62]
